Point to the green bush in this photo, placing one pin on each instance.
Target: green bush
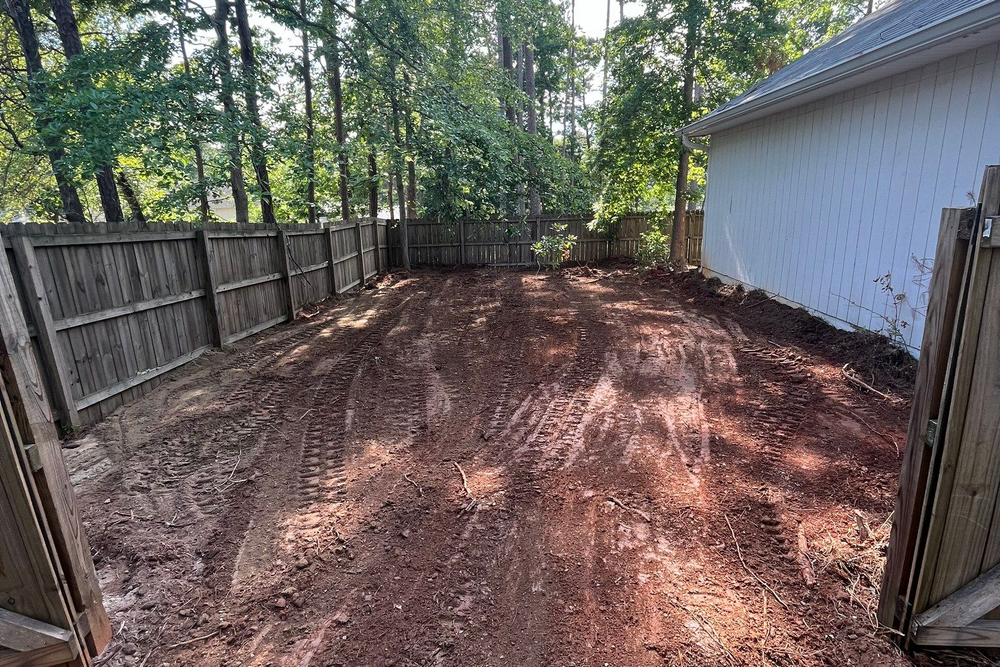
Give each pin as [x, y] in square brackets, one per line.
[552, 249]
[654, 247]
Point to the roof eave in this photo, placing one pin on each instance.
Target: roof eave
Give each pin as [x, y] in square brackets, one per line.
[949, 29]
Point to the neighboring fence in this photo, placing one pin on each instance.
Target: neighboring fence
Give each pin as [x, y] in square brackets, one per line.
[508, 242]
[942, 577]
[695, 234]
[111, 309]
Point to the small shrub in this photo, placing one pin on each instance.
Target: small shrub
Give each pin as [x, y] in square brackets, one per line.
[553, 249]
[654, 247]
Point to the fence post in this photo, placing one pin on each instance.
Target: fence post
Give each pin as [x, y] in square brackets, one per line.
[286, 271]
[211, 287]
[361, 254]
[461, 242]
[48, 340]
[378, 247]
[332, 266]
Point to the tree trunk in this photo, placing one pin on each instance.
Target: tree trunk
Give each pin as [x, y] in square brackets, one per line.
[678, 236]
[535, 202]
[69, 35]
[332, 55]
[411, 172]
[507, 62]
[20, 13]
[572, 82]
[236, 182]
[258, 158]
[404, 242]
[604, 75]
[373, 186]
[131, 198]
[199, 157]
[310, 147]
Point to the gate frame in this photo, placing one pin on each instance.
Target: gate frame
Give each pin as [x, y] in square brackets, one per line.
[927, 471]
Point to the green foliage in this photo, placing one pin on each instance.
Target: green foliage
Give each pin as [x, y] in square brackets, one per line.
[554, 249]
[654, 247]
[131, 102]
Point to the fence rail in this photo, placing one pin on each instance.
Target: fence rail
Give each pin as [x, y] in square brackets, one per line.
[111, 309]
[508, 242]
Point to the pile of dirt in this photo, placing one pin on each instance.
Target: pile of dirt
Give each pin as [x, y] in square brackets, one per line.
[876, 359]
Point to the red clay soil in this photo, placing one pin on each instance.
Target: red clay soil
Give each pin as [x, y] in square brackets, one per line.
[490, 468]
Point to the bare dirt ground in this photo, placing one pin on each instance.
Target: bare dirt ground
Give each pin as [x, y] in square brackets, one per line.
[490, 468]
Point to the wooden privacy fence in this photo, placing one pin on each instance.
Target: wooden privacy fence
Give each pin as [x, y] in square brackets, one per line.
[942, 579]
[508, 242]
[111, 309]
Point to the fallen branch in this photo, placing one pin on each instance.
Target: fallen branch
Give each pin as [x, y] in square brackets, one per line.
[746, 567]
[630, 509]
[876, 431]
[848, 373]
[465, 480]
[805, 567]
[192, 641]
[420, 491]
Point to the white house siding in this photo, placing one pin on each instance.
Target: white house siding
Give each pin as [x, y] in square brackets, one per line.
[815, 203]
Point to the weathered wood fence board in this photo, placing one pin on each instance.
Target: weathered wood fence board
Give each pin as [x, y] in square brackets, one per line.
[508, 242]
[111, 309]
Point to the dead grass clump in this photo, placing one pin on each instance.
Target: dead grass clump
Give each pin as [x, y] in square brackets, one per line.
[858, 558]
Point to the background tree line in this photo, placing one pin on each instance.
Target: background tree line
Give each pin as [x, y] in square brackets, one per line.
[294, 109]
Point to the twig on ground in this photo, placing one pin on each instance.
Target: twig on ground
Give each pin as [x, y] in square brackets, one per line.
[222, 487]
[192, 641]
[465, 480]
[468, 508]
[630, 509]
[876, 431]
[848, 373]
[155, 640]
[703, 622]
[739, 552]
[420, 492]
[304, 414]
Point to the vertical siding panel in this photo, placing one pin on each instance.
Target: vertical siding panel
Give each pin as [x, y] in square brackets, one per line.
[811, 177]
[884, 144]
[853, 183]
[818, 225]
[891, 251]
[833, 219]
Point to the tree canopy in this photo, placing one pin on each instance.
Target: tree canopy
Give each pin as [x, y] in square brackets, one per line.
[293, 110]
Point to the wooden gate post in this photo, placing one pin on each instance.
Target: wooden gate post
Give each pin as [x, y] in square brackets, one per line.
[211, 287]
[41, 313]
[935, 348]
[286, 272]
